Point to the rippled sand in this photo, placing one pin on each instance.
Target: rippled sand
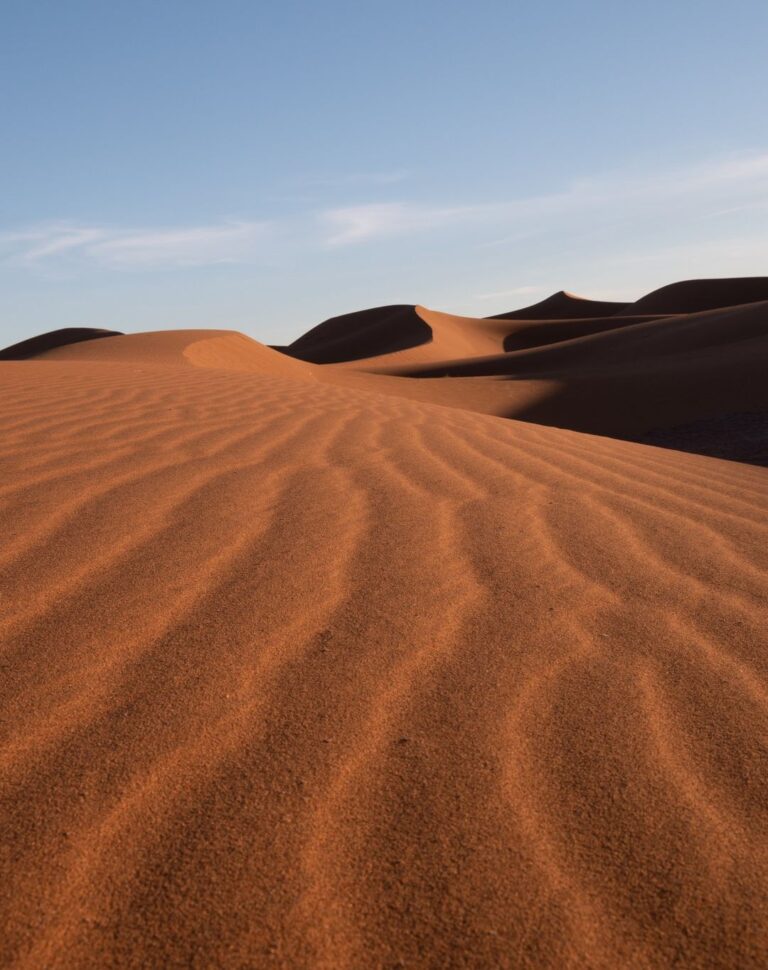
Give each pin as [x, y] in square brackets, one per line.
[299, 674]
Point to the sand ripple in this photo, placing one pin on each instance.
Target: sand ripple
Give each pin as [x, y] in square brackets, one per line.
[295, 674]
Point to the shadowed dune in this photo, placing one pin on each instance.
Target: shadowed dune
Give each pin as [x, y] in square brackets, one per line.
[528, 334]
[621, 400]
[564, 306]
[625, 376]
[299, 672]
[654, 341]
[397, 334]
[450, 336]
[691, 296]
[35, 346]
[735, 436]
[367, 333]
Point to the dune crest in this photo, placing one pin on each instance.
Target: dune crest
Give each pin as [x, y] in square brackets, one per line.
[218, 349]
[631, 374]
[693, 296]
[366, 333]
[563, 306]
[35, 346]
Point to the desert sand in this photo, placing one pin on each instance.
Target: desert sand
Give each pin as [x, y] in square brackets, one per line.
[389, 649]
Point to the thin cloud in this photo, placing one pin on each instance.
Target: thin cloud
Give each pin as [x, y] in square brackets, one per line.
[61, 241]
[125, 248]
[196, 246]
[359, 223]
[597, 214]
[734, 183]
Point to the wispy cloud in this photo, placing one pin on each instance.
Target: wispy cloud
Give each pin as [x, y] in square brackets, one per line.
[596, 215]
[358, 223]
[195, 246]
[57, 241]
[734, 184]
[131, 248]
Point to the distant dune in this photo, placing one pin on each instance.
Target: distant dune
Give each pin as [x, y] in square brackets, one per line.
[691, 296]
[51, 340]
[217, 349]
[564, 306]
[628, 375]
[302, 669]
[527, 334]
[368, 333]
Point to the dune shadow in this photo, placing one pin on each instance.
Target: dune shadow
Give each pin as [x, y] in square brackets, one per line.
[365, 333]
[732, 435]
[35, 346]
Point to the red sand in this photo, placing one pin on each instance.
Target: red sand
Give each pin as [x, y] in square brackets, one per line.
[303, 674]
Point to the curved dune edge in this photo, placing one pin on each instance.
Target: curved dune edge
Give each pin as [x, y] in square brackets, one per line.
[35, 346]
[300, 675]
[449, 336]
[360, 335]
[625, 382]
[218, 349]
[564, 305]
[240, 354]
[396, 335]
[694, 296]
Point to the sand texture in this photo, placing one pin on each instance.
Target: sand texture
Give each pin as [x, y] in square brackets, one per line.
[300, 670]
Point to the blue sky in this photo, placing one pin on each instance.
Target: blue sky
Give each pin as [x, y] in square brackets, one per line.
[261, 166]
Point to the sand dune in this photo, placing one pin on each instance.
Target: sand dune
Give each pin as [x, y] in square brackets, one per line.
[397, 334]
[35, 346]
[564, 306]
[629, 375]
[527, 334]
[634, 378]
[691, 296]
[367, 333]
[299, 672]
[218, 349]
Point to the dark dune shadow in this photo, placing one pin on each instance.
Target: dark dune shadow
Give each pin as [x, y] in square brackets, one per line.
[545, 332]
[365, 333]
[693, 296]
[563, 306]
[716, 408]
[732, 435]
[35, 346]
[659, 343]
[738, 436]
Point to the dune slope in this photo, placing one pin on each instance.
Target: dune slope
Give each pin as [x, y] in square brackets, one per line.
[527, 334]
[629, 376]
[35, 346]
[564, 306]
[218, 349]
[300, 675]
[692, 296]
[366, 333]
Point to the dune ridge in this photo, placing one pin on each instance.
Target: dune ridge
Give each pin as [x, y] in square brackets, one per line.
[692, 296]
[381, 330]
[217, 349]
[36, 346]
[564, 306]
[675, 377]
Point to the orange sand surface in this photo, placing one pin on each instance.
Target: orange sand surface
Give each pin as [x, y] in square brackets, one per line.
[300, 670]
